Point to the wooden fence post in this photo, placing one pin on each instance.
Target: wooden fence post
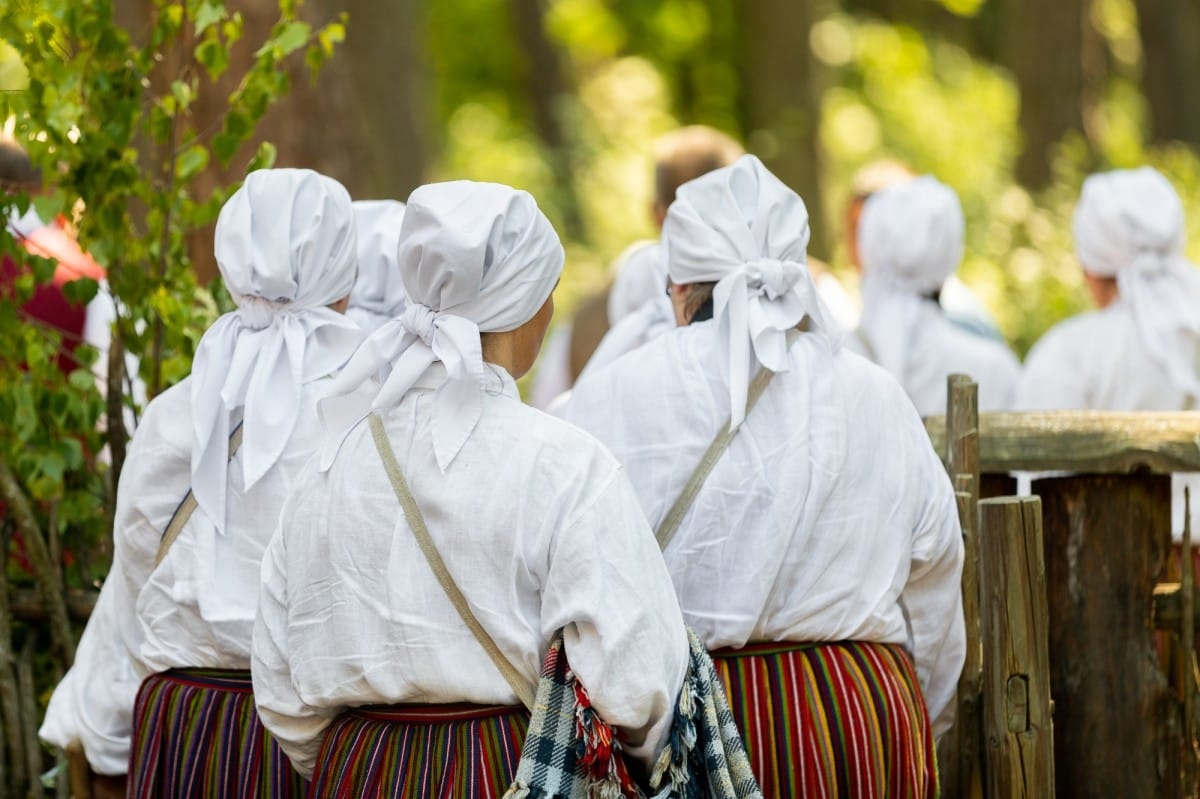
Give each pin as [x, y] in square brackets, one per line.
[961, 749]
[1117, 729]
[1017, 724]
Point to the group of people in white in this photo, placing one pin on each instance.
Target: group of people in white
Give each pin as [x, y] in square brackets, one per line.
[344, 547]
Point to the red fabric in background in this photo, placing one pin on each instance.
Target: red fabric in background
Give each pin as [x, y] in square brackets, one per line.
[49, 305]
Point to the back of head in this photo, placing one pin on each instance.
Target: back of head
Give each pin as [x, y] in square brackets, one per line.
[287, 238]
[482, 251]
[285, 244]
[686, 154]
[731, 217]
[1127, 217]
[1129, 225]
[475, 258]
[743, 229]
[17, 171]
[378, 292]
[911, 235]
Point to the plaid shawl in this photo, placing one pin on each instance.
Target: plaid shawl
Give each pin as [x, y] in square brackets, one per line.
[571, 753]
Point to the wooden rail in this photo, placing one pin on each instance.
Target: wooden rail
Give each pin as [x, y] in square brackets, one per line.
[1087, 442]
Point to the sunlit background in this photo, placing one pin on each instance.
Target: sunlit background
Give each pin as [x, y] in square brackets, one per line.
[1011, 103]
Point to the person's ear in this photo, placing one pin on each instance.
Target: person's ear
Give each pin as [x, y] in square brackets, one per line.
[341, 305]
[679, 295]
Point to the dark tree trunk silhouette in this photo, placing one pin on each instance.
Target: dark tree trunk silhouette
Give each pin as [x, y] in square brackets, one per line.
[1170, 31]
[1045, 51]
[781, 99]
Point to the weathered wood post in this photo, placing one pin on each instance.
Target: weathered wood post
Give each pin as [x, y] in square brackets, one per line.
[961, 749]
[1017, 724]
[1117, 729]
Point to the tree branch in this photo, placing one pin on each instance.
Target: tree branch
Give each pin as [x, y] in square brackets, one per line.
[48, 578]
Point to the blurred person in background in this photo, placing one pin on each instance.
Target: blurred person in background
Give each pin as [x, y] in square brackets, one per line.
[633, 308]
[910, 242]
[1140, 349]
[820, 512]
[959, 303]
[378, 294]
[49, 307]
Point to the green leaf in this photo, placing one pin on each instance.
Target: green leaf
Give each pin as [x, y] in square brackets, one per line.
[332, 34]
[209, 14]
[81, 291]
[213, 56]
[183, 94]
[291, 37]
[48, 207]
[82, 380]
[191, 161]
[233, 27]
[225, 147]
[264, 158]
[14, 76]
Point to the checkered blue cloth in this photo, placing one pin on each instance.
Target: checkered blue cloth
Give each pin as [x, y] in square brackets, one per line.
[570, 753]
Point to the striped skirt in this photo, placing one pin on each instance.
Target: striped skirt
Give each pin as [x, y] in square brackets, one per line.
[831, 720]
[196, 735]
[417, 751]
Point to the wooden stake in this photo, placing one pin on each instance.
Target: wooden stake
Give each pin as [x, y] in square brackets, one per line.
[1187, 643]
[962, 754]
[1016, 704]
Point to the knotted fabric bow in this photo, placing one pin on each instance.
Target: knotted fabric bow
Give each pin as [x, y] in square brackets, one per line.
[475, 257]
[743, 229]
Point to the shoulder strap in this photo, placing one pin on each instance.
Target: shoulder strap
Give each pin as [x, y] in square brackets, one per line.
[670, 525]
[186, 508]
[416, 521]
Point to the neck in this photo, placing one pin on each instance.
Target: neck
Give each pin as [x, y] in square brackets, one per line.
[498, 349]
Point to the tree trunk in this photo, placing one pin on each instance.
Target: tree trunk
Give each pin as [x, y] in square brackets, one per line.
[781, 99]
[1170, 31]
[1045, 52]
[545, 86]
[364, 120]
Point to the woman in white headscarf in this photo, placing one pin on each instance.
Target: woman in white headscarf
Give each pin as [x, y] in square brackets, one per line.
[195, 509]
[536, 524]
[378, 294]
[827, 518]
[1140, 351]
[910, 241]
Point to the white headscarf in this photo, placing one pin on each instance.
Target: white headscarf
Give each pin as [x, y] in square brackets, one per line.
[742, 228]
[285, 245]
[475, 257]
[910, 240]
[1129, 225]
[641, 277]
[378, 294]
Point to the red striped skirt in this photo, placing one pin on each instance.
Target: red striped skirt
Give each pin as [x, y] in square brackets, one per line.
[831, 720]
[196, 735]
[416, 751]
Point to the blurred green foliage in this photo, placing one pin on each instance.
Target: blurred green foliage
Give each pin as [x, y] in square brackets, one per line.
[638, 68]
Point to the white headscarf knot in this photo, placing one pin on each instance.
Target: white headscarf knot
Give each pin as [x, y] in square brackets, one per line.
[1129, 225]
[772, 277]
[285, 246]
[743, 229]
[475, 257]
[420, 320]
[257, 313]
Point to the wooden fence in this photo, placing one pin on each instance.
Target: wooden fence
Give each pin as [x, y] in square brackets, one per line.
[1079, 629]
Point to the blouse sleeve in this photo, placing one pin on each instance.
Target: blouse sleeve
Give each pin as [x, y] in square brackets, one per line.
[608, 589]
